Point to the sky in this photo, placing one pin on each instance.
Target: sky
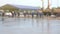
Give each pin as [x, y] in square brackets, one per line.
[36, 3]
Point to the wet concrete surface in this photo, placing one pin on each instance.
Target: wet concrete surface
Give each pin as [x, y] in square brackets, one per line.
[29, 26]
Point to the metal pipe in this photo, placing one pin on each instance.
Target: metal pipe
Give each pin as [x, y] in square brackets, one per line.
[48, 25]
[48, 4]
[48, 15]
[42, 5]
[42, 18]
